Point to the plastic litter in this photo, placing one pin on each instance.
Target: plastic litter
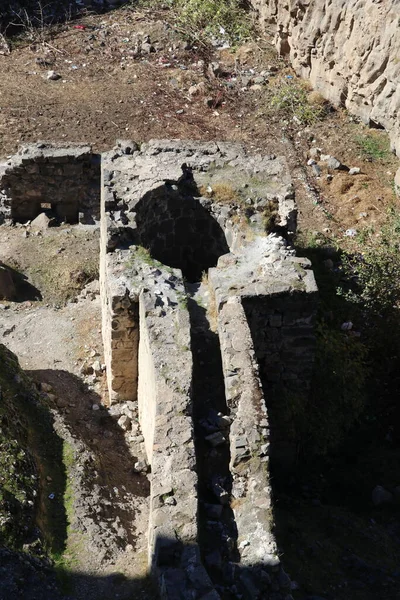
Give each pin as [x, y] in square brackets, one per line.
[350, 232]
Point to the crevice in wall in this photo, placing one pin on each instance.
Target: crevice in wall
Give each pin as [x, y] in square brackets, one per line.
[217, 527]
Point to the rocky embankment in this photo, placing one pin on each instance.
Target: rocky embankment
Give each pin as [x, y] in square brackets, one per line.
[24, 564]
[349, 50]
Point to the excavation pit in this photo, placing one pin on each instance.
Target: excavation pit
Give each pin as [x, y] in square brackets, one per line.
[190, 360]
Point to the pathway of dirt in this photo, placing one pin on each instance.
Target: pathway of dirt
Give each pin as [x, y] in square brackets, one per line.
[106, 549]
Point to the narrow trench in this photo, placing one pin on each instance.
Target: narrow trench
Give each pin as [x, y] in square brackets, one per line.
[217, 527]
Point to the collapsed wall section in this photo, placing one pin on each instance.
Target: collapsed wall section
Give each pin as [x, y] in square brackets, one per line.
[61, 181]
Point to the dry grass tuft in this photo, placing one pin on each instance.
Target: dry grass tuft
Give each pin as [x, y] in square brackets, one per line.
[221, 192]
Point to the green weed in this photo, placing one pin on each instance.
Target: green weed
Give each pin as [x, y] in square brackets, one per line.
[374, 271]
[374, 146]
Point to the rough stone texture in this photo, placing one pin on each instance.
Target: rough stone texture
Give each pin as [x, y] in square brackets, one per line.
[163, 362]
[165, 369]
[249, 439]
[162, 219]
[44, 177]
[147, 201]
[348, 49]
[279, 298]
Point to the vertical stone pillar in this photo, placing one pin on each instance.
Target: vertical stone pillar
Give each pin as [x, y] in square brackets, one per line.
[121, 340]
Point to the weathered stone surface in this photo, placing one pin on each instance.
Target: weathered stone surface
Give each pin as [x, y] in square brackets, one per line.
[349, 51]
[42, 221]
[62, 179]
[155, 198]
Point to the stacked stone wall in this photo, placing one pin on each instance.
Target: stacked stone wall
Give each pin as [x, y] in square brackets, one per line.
[165, 414]
[179, 231]
[43, 177]
[262, 572]
[282, 327]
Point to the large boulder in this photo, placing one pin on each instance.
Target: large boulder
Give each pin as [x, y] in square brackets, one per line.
[43, 221]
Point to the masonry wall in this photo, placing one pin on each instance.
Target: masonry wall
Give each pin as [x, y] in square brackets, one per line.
[249, 450]
[165, 408]
[120, 320]
[147, 391]
[282, 327]
[65, 180]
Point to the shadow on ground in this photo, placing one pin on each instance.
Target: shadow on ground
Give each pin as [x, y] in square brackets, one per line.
[24, 290]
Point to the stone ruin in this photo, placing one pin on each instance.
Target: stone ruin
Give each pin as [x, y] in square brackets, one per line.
[63, 182]
[207, 320]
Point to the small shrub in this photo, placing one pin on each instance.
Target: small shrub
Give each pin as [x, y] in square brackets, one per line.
[207, 17]
[202, 20]
[221, 192]
[293, 100]
[374, 271]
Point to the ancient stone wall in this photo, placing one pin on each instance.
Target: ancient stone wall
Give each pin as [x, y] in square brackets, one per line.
[165, 413]
[61, 181]
[280, 304]
[163, 219]
[282, 327]
[249, 451]
[148, 201]
[348, 49]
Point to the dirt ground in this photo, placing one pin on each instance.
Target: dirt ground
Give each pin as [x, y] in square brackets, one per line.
[108, 91]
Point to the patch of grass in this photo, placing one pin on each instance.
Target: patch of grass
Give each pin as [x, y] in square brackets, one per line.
[182, 299]
[293, 100]
[221, 192]
[374, 146]
[143, 255]
[270, 216]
